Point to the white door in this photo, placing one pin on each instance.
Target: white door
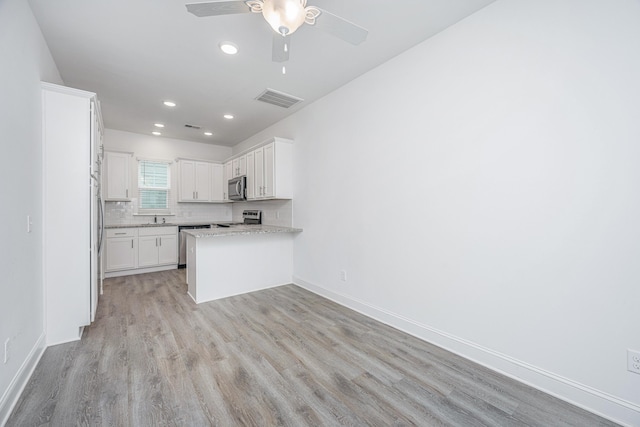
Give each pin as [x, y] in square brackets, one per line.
[251, 176]
[217, 177]
[187, 180]
[121, 253]
[259, 172]
[118, 176]
[167, 249]
[202, 181]
[147, 251]
[269, 171]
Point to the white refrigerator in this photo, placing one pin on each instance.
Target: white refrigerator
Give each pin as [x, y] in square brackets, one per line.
[72, 134]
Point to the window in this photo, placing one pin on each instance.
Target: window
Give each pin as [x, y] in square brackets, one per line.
[153, 185]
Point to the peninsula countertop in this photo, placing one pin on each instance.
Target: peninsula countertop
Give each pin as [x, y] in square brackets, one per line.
[239, 229]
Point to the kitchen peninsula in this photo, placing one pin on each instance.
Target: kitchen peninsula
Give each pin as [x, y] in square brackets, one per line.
[223, 262]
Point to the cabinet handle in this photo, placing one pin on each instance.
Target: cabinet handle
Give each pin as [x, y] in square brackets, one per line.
[120, 233]
[127, 193]
[197, 195]
[131, 243]
[160, 240]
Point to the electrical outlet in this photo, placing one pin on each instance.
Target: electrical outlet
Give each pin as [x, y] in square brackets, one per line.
[6, 349]
[633, 361]
[277, 214]
[343, 275]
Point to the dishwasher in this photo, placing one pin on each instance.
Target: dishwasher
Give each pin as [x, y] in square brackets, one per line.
[182, 260]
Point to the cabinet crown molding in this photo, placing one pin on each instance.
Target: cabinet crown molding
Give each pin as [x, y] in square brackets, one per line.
[276, 139]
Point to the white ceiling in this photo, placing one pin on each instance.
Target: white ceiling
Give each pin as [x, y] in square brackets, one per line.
[136, 53]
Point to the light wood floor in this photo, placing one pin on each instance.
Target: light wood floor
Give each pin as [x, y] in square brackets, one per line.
[281, 356]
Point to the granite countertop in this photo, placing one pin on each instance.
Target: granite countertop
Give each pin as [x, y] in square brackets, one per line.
[240, 229]
[167, 224]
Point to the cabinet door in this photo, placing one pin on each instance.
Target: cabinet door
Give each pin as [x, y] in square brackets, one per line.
[269, 171]
[251, 176]
[167, 249]
[217, 190]
[121, 253]
[118, 165]
[187, 183]
[239, 166]
[228, 174]
[259, 172]
[202, 180]
[147, 251]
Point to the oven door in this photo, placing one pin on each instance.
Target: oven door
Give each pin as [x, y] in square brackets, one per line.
[237, 188]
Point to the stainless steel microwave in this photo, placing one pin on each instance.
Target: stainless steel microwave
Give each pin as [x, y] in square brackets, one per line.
[238, 188]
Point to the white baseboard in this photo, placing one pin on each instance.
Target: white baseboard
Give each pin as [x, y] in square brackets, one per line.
[13, 392]
[603, 404]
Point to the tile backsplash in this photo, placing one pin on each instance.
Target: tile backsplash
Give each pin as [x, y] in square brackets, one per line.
[274, 212]
[117, 213]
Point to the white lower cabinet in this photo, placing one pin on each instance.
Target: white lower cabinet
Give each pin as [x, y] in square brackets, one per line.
[157, 246]
[121, 249]
[142, 249]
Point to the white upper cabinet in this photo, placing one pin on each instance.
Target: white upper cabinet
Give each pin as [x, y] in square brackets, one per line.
[194, 181]
[258, 174]
[272, 171]
[218, 185]
[239, 166]
[251, 175]
[228, 174]
[118, 176]
[202, 181]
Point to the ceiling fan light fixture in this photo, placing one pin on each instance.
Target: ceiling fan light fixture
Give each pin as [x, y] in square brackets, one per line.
[284, 16]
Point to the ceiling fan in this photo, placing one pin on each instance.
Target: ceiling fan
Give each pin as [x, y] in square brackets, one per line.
[285, 17]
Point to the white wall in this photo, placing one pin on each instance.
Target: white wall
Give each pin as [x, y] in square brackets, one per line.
[25, 62]
[163, 148]
[496, 165]
[153, 147]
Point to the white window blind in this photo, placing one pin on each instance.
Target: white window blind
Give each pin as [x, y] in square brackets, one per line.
[154, 184]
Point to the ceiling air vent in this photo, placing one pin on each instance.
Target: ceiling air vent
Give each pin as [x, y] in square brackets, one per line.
[280, 99]
[192, 126]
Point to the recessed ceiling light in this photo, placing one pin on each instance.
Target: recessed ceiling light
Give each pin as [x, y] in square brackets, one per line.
[228, 116]
[156, 133]
[159, 125]
[228, 48]
[169, 103]
[208, 133]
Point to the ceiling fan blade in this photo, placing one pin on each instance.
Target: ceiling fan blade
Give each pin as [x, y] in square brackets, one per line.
[281, 48]
[341, 28]
[220, 7]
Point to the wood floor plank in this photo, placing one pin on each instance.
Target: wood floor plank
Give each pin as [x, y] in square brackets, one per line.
[278, 357]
